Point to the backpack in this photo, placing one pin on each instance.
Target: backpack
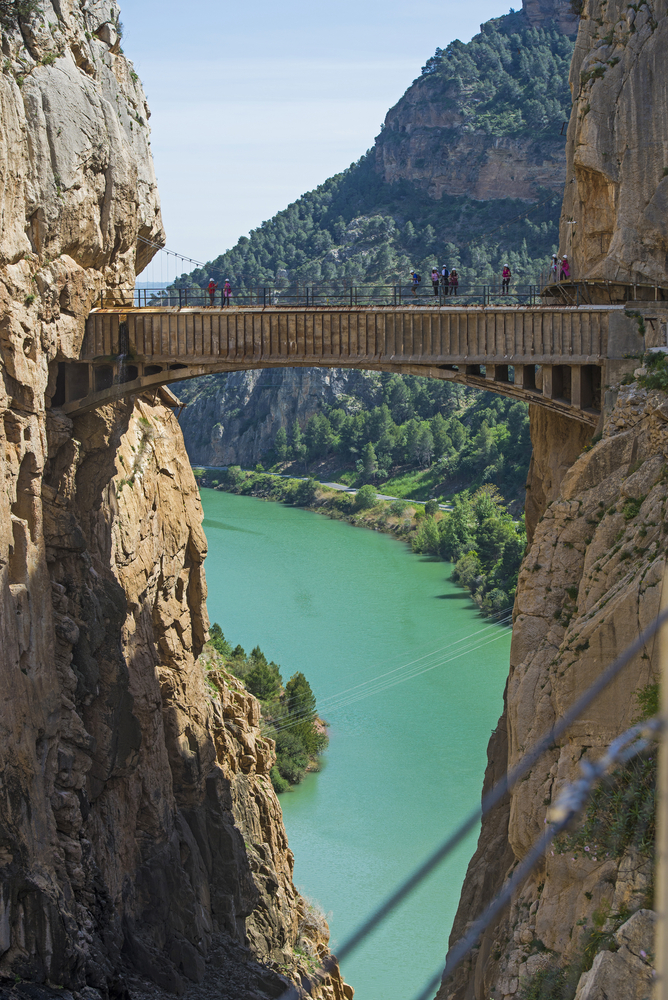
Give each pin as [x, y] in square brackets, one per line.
[418, 277]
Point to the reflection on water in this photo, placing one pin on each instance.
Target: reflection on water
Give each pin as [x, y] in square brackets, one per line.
[348, 606]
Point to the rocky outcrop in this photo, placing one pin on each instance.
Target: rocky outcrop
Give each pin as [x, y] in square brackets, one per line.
[432, 138]
[590, 582]
[233, 419]
[614, 221]
[428, 140]
[141, 843]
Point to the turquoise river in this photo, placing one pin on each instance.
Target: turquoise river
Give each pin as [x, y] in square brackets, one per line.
[407, 752]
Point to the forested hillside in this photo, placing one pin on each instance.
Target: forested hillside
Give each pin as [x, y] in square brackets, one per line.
[414, 437]
[467, 169]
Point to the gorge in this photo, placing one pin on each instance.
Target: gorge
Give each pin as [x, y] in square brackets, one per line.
[142, 848]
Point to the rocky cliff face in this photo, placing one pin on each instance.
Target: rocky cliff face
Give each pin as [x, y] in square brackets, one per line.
[432, 138]
[233, 419]
[428, 140]
[591, 581]
[614, 222]
[141, 843]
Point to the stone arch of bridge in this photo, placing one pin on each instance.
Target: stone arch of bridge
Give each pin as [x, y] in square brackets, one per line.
[573, 391]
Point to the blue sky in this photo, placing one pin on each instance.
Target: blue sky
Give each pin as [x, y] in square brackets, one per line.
[253, 104]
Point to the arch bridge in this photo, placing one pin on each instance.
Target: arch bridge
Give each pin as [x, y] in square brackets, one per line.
[560, 357]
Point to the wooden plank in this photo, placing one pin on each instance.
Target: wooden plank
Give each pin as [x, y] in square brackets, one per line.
[190, 335]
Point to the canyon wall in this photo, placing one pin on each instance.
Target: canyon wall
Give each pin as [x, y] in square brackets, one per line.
[233, 419]
[142, 848]
[614, 222]
[593, 574]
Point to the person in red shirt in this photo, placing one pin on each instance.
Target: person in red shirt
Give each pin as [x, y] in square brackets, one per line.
[212, 289]
[505, 279]
[565, 268]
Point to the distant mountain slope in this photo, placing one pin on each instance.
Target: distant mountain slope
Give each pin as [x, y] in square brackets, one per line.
[468, 168]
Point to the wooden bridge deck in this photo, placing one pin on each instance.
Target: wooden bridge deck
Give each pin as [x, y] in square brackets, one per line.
[127, 351]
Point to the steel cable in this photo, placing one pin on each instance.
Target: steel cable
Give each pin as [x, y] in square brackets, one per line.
[570, 802]
[493, 797]
[345, 698]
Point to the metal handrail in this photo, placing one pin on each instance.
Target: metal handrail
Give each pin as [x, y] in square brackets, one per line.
[341, 295]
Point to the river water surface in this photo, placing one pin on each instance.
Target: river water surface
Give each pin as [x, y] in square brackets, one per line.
[346, 605]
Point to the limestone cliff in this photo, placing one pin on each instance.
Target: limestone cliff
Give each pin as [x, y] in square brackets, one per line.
[432, 137]
[233, 419]
[614, 221]
[590, 582]
[141, 844]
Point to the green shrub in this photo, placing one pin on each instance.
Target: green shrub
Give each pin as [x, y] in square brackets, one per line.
[657, 372]
[397, 507]
[556, 983]
[366, 497]
[428, 539]
[278, 781]
[234, 476]
[306, 492]
[345, 502]
[431, 508]
[218, 641]
[263, 679]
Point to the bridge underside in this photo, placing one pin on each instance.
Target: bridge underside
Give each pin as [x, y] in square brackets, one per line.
[556, 357]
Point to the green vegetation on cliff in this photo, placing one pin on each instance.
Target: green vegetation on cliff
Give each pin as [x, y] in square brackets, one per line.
[289, 712]
[510, 81]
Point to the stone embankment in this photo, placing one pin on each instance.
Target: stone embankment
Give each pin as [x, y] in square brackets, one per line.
[141, 843]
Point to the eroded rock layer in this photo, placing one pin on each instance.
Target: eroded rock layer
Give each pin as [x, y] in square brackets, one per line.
[614, 222]
[141, 843]
[590, 582]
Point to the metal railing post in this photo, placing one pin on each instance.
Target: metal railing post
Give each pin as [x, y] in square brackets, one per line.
[661, 904]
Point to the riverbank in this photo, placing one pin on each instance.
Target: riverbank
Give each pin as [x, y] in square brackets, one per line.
[477, 533]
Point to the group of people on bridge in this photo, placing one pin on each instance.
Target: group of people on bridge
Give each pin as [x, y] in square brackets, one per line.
[560, 270]
[227, 291]
[445, 281]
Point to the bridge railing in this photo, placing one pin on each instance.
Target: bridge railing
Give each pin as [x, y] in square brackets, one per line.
[319, 295]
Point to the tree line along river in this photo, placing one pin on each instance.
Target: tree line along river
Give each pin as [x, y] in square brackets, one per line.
[410, 679]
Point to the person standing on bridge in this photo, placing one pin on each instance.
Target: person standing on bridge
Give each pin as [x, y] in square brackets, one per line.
[454, 281]
[211, 289]
[505, 279]
[565, 268]
[435, 279]
[415, 281]
[227, 292]
[445, 277]
[554, 268]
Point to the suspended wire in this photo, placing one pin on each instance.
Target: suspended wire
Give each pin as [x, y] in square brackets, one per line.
[492, 798]
[570, 802]
[296, 720]
[343, 698]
